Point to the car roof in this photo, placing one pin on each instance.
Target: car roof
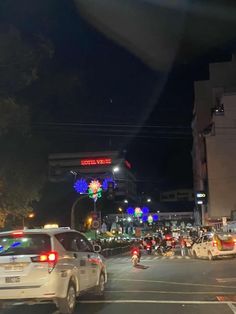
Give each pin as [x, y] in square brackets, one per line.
[51, 231]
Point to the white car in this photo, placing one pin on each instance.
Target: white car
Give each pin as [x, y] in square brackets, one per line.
[213, 245]
[54, 265]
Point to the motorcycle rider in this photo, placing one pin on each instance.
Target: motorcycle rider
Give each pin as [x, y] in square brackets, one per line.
[136, 248]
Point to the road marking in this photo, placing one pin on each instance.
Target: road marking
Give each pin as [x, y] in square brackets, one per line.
[170, 292]
[226, 279]
[153, 301]
[232, 307]
[175, 283]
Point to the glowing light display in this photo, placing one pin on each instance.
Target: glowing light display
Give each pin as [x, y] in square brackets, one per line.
[144, 218]
[81, 186]
[138, 212]
[145, 210]
[95, 161]
[105, 183]
[155, 217]
[130, 211]
[150, 219]
[95, 190]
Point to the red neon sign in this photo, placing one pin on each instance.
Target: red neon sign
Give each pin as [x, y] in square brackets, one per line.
[95, 161]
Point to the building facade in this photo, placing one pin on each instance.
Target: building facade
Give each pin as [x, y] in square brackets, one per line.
[212, 130]
[95, 165]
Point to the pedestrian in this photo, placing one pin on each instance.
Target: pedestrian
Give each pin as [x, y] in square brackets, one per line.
[182, 243]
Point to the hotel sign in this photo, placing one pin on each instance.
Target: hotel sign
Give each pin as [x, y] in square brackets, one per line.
[96, 161]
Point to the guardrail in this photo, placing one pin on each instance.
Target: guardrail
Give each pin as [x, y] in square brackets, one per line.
[115, 251]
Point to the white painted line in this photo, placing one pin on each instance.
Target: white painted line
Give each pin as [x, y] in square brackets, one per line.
[154, 302]
[170, 292]
[226, 279]
[156, 258]
[232, 307]
[175, 283]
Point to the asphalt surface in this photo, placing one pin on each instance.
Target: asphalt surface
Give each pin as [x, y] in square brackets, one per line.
[159, 285]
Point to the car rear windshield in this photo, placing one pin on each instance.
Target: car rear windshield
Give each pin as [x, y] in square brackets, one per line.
[24, 244]
[225, 237]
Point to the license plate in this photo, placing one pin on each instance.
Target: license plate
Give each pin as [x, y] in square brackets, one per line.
[13, 268]
[14, 279]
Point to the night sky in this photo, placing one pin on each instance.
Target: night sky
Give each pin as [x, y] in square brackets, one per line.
[113, 73]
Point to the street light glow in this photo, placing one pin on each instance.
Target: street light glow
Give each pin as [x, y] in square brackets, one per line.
[149, 200]
[116, 169]
[120, 209]
[126, 201]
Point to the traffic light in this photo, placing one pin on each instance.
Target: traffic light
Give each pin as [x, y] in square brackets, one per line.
[110, 190]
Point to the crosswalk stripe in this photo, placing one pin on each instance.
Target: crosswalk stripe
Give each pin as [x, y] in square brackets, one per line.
[147, 258]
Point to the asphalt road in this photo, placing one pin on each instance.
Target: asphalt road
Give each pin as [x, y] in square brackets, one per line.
[159, 285]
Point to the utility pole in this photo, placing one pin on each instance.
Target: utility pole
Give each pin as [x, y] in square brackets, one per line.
[72, 215]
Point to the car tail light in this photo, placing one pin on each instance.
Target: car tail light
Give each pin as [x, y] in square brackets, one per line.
[51, 258]
[135, 253]
[148, 245]
[17, 234]
[214, 243]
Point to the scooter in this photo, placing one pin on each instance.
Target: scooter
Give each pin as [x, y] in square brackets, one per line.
[135, 259]
[149, 249]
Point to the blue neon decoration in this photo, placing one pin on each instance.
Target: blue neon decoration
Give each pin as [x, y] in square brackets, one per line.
[81, 186]
[15, 244]
[145, 218]
[145, 210]
[105, 183]
[130, 211]
[155, 217]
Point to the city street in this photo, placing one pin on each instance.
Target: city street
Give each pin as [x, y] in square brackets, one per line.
[159, 285]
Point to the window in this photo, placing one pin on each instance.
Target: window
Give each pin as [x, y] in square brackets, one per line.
[83, 244]
[68, 240]
[74, 242]
[24, 244]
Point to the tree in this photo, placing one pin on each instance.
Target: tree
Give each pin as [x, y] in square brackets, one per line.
[20, 60]
[22, 171]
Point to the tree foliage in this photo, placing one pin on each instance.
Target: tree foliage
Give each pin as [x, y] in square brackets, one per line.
[20, 60]
[22, 170]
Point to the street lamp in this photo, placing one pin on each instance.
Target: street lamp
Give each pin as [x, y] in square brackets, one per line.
[116, 169]
[126, 201]
[149, 200]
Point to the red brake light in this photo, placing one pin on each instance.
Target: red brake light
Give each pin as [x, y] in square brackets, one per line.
[50, 257]
[17, 234]
[214, 243]
[148, 245]
[135, 252]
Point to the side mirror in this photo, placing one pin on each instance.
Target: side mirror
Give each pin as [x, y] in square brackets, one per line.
[97, 248]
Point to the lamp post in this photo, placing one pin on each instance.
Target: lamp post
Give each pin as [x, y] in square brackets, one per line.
[72, 212]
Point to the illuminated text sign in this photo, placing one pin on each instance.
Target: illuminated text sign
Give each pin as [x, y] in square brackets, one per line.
[95, 161]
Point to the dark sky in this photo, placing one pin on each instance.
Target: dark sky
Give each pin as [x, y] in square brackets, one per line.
[134, 68]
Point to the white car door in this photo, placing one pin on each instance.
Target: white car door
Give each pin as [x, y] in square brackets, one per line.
[78, 258]
[93, 262]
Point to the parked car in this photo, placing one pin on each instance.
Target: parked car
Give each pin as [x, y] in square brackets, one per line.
[213, 245]
[54, 265]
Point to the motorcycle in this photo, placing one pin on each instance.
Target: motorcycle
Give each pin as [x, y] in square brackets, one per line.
[149, 249]
[135, 259]
[165, 250]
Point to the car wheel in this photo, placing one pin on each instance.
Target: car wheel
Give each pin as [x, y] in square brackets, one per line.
[99, 290]
[210, 256]
[67, 304]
